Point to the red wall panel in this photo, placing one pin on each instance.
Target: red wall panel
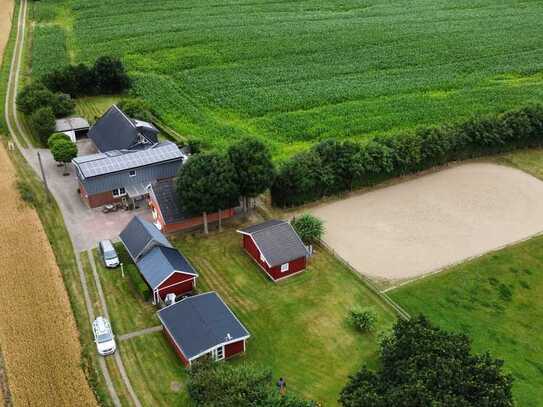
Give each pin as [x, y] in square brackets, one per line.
[178, 284]
[233, 349]
[176, 349]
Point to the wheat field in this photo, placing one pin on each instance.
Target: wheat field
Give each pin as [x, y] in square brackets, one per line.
[38, 335]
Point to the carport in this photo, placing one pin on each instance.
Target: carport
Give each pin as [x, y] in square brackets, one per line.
[73, 127]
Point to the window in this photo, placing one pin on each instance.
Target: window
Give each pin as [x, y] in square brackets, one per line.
[284, 268]
[132, 173]
[118, 192]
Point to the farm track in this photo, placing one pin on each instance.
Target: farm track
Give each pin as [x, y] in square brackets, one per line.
[21, 140]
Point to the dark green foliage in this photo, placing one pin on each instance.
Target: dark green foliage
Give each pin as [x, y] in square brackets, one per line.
[35, 96]
[308, 227]
[106, 76]
[335, 166]
[136, 108]
[42, 122]
[224, 385]
[53, 138]
[110, 75]
[253, 165]
[207, 183]
[195, 145]
[63, 150]
[422, 365]
[26, 192]
[363, 319]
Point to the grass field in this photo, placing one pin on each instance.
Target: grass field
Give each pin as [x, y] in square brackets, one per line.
[498, 301]
[298, 327]
[293, 72]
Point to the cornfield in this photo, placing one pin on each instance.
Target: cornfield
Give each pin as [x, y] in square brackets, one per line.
[38, 336]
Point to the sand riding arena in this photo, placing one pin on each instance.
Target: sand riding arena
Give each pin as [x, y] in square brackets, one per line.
[420, 226]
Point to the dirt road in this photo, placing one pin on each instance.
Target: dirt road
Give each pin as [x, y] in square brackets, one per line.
[410, 229]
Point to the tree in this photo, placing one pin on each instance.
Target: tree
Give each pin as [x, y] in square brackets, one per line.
[110, 75]
[64, 151]
[422, 365]
[254, 167]
[136, 108]
[42, 122]
[221, 384]
[75, 80]
[207, 183]
[308, 227]
[62, 105]
[35, 96]
[55, 137]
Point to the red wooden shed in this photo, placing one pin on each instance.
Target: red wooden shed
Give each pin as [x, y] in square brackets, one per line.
[276, 247]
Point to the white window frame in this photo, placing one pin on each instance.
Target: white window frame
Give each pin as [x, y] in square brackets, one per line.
[132, 173]
[284, 267]
[117, 192]
[218, 353]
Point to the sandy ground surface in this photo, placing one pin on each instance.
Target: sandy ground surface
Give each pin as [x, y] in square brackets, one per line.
[37, 330]
[407, 230]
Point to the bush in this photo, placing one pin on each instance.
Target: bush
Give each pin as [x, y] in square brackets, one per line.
[26, 192]
[136, 108]
[334, 166]
[53, 138]
[308, 227]
[42, 122]
[363, 319]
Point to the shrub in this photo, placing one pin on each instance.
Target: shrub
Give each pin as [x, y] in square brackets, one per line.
[26, 192]
[334, 166]
[308, 227]
[136, 108]
[363, 319]
[53, 138]
[42, 122]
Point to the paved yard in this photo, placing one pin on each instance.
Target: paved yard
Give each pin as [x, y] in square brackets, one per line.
[420, 226]
[87, 226]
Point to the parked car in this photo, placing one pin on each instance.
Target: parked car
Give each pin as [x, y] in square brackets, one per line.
[109, 255]
[103, 336]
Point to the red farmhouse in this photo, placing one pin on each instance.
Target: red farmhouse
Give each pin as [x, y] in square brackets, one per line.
[164, 269]
[276, 248]
[203, 326]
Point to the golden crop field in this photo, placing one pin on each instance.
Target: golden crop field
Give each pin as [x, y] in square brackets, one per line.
[38, 335]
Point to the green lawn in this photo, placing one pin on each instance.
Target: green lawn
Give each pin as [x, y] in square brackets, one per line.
[298, 326]
[530, 161]
[498, 301]
[296, 71]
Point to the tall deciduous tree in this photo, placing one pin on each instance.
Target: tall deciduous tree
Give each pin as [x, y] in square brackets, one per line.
[422, 365]
[254, 167]
[43, 122]
[64, 151]
[207, 183]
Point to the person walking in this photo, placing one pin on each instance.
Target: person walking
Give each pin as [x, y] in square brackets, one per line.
[282, 386]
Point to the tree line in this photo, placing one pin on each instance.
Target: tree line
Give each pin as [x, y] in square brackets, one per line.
[335, 166]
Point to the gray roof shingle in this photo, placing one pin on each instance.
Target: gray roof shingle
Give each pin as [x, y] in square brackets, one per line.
[139, 236]
[116, 131]
[166, 197]
[200, 323]
[277, 241]
[160, 262]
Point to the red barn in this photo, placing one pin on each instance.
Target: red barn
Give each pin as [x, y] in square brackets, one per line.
[168, 215]
[276, 247]
[164, 268]
[203, 326]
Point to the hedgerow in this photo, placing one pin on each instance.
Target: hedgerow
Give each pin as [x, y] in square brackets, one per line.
[333, 166]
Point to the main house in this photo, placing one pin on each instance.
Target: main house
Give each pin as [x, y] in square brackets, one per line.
[203, 326]
[116, 131]
[168, 214]
[276, 247]
[164, 268]
[112, 176]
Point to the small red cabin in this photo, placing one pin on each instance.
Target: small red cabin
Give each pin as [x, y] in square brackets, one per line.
[276, 247]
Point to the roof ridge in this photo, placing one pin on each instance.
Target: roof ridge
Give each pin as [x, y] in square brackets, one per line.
[282, 222]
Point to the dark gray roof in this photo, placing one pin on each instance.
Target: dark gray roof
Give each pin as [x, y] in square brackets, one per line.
[71, 123]
[200, 323]
[139, 236]
[167, 200]
[277, 241]
[116, 131]
[114, 161]
[160, 262]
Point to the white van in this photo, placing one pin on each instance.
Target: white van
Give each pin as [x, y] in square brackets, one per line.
[103, 336]
[108, 253]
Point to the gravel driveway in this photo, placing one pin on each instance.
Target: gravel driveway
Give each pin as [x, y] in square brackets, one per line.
[407, 230]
